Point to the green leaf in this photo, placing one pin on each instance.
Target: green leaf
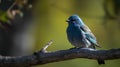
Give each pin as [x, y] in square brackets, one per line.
[3, 16]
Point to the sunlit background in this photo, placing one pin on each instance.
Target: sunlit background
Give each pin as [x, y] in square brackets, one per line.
[48, 23]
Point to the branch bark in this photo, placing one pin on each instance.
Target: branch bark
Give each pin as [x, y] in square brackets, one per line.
[44, 57]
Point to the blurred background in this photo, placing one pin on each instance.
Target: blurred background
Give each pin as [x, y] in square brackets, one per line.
[27, 25]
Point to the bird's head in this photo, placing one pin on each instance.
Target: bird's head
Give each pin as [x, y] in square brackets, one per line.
[74, 19]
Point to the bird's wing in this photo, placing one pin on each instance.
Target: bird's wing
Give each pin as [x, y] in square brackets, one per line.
[89, 35]
[91, 39]
[88, 31]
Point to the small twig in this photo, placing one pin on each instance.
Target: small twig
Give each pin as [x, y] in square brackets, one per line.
[46, 46]
[9, 12]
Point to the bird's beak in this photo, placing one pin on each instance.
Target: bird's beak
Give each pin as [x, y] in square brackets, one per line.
[67, 20]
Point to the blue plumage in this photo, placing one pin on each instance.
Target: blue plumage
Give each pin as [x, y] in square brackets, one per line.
[80, 35]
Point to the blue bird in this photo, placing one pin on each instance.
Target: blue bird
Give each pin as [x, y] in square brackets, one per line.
[80, 35]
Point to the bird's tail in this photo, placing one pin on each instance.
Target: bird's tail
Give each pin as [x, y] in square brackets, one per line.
[101, 61]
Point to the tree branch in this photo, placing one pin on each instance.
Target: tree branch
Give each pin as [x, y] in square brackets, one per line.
[44, 57]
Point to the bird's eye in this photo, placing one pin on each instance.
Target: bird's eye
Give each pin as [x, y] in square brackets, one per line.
[73, 20]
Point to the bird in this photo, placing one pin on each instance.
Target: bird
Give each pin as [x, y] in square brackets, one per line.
[80, 36]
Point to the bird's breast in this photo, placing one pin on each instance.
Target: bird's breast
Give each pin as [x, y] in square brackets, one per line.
[75, 36]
